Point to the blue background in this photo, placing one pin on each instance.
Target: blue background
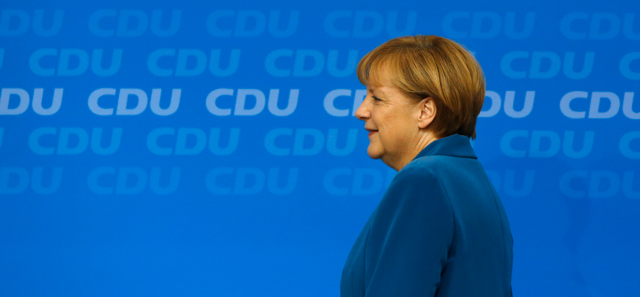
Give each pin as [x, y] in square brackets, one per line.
[106, 228]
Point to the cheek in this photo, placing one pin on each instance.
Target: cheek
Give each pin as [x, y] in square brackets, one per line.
[388, 124]
[387, 136]
[395, 132]
[383, 121]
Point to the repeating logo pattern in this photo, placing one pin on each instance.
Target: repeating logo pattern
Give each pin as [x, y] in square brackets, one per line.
[248, 112]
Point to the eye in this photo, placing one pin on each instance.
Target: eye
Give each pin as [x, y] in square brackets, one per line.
[376, 98]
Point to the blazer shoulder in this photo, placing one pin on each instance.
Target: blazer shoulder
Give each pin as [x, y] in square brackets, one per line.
[423, 169]
[420, 179]
[416, 171]
[429, 161]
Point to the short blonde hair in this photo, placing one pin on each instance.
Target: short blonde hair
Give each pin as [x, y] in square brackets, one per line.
[432, 66]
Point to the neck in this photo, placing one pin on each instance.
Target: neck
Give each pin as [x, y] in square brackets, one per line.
[425, 140]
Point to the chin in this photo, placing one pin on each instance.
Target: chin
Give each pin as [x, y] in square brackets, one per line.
[374, 153]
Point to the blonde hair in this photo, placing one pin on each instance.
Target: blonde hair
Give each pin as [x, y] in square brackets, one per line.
[432, 66]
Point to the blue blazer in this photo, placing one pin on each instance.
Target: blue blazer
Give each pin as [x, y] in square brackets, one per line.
[439, 230]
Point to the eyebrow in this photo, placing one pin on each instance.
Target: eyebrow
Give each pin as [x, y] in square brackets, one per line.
[378, 91]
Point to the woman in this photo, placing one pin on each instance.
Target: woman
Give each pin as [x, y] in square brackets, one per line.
[440, 228]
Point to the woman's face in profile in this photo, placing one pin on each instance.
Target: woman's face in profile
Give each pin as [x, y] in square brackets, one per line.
[390, 117]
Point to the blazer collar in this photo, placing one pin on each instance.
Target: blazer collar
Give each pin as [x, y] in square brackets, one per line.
[455, 145]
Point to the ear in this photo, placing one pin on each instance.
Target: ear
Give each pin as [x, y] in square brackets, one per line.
[428, 112]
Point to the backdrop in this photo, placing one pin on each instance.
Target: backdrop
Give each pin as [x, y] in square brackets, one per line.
[192, 148]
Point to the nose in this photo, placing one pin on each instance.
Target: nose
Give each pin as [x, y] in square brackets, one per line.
[363, 113]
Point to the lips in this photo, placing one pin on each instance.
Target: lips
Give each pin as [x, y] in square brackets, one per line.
[371, 131]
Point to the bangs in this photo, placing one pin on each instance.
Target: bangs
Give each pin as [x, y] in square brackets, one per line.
[375, 67]
[394, 66]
